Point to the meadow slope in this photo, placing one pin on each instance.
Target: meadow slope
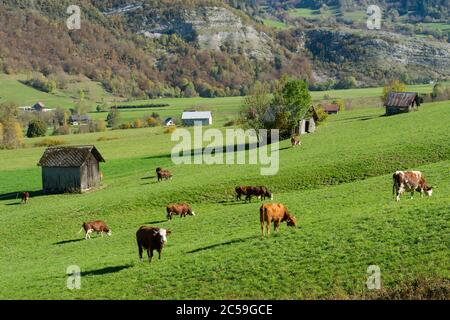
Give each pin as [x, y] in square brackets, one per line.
[338, 184]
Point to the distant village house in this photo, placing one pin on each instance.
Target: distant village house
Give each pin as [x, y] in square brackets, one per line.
[38, 107]
[400, 102]
[70, 169]
[332, 108]
[76, 120]
[190, 118]
[169, 122]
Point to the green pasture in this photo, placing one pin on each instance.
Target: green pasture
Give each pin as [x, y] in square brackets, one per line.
[338, 184]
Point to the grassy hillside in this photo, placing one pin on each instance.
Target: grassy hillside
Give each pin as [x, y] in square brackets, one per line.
[338, 184]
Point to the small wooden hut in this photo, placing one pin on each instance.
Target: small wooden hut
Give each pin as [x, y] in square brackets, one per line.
[308, 124]
[332, 108]
[70, 169]
[400, 102]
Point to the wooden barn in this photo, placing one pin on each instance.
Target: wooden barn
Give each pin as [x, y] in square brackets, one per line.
[400, 102]
[332, 108]
[70, 169]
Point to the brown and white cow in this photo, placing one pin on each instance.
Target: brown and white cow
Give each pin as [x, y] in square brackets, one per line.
[410, 181]
[150, 239]
[181, 209]
[25, 197]
[277, 213]
[163, 174]
[97, 226]
[295, 141]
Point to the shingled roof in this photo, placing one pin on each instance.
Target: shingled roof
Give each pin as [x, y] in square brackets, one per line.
[401, 99]
[71, 156]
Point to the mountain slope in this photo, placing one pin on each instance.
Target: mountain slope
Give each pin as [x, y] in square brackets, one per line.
[209, 48]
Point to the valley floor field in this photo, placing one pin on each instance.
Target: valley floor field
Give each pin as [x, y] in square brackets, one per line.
[338, 184]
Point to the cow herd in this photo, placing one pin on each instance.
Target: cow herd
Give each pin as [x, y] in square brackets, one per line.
[154, 238]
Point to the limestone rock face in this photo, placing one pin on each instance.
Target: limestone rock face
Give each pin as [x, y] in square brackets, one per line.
[209, 27]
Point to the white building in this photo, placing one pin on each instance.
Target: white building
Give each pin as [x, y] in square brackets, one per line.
[191, 118]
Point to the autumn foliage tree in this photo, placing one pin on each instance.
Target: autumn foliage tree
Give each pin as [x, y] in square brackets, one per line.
[11, 131]
[393, 86]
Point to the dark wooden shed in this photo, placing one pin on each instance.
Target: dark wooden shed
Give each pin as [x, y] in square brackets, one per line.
[400, 102]
[70, 169]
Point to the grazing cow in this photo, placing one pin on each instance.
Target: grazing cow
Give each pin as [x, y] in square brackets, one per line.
[260, 192]
[410, 181]
[163, 174]
[295, 141]
[240, 191]
[97, 226]
[181, 209]
[277, 213]
[151, 238]
[25, 197]
[264, 193]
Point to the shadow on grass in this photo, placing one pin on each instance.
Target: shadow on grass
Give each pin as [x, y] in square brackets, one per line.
[361, 118]
[218, 150]
[234, 203]
[222, 244]
[69, 241]
[148, 178]
[155, 222]
[106, 270]
[18, 194]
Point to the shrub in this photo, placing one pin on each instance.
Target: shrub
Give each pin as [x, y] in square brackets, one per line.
[62, 130]
[104, 138]
[170, 130]
[83, 129]
[394, 85]
[152, 122]
[113, 118]
[340, 103]
[36, 128]
[231, 123]
[125, 126]
[321, 115]
[12, 133]
[348, 82]
[440, 92]
[40, 82]
[97, 126]
[48, 142]
[137, 123]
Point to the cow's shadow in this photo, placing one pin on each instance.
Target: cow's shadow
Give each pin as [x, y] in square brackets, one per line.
[240, 240]
[155, 222]
[17, 195]
[148, 178]
[106, 270]
[69, 241]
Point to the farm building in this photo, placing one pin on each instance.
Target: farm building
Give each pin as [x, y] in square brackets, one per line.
[308, 124]
[400, 102]
[39, 107]
[77, 120]
[191, 118]
[70, 169]
[169, 122]
[332, 108]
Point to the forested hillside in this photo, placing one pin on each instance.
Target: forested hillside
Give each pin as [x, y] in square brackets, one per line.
[212, 48]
